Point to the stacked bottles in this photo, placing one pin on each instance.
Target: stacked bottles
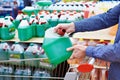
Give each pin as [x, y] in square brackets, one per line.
[1, 72]
[8, 29]
[42, 27]
[62, 18]
[8, 71]
[27, 72]
[18, 19]
[16, 53]
[24, 30]
[32, 52]
[41, 75]
[18, 72]
[54, 19]
[33, 22]
[1, 24]
[4, 48]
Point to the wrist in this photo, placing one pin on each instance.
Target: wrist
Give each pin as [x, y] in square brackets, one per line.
[72, 26]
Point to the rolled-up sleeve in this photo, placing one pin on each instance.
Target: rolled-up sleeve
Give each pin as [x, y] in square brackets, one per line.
[106, 52]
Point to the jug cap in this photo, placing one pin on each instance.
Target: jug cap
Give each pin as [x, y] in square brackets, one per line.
[31, 44]
[16, 42]
[50, 33]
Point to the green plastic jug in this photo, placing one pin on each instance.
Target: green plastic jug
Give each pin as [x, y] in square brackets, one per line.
[16, 53]
[55, 47]
[1, 23]
[33, 23]
[42, 75]
[4, 48]
[1, 72]
[8, 71]
[62, 19]
[54, 20]
[30, 53]
[71, 18]
[18, 72]
[41, 29]
[28, 10]
[16, 23]
[18, 19]
[7, 30]
[44, 3]
[27, 72]
[24, 31]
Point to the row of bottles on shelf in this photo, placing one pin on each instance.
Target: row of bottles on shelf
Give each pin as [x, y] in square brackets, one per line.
[26, 30]
[11, 73]
[24, 54]
[77, 0]
[82, 5]
[34, 26]
[90, 6]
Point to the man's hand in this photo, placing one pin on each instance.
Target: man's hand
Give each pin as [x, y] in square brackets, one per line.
[79, 51]
[69, 28]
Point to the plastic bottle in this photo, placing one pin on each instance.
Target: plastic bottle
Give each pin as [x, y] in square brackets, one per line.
[8, 71]
[33, 23]
[7, 30]
[92, 42]
[86, 12]
[42, 27]
[54, 20]
[1, 72]
[44, 75]
[16, 53]
[4, 48]
[41, 75]
[62, 18]
[71, 18]
[94, 74]
[102, 74]
[78, 16]
[18, 19]
[27, 72]
[36, 75]
[47, 17]
[24, 30]
[18, 72]
[32, 52]
[1, 24]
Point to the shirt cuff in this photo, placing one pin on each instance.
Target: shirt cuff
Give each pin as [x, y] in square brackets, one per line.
[76, 26]
[89, 51]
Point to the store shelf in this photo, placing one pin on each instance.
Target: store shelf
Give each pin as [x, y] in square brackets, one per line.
[100, 34]
[34, 39]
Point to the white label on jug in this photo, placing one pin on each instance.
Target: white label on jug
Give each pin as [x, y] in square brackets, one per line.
[45, 64]
[15, 57]
[23, 24]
